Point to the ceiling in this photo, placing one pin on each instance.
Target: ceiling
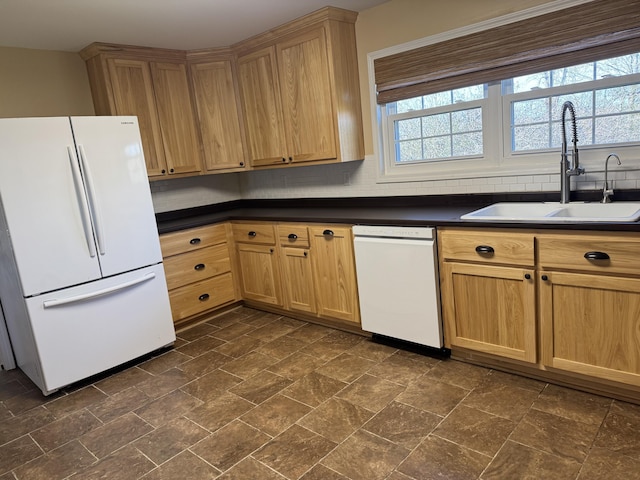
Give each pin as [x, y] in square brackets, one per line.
[70, 25]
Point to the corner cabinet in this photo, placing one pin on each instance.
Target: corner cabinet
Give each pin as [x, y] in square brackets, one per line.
[217, 105]
[300, 93]
[155, 88]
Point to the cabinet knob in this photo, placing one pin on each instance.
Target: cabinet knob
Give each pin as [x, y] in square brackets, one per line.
[290, 159]
[171, 170]
[292, 236]
[306, 253]
[596, 256]
[328, 233]
[242, 164]
[271, 250]
[485, 249]
[199, 267]
[284, 160]
[252, 233]
[527, 276]
[195, 241]
[163, 171]
[204, 297]
[544, 277]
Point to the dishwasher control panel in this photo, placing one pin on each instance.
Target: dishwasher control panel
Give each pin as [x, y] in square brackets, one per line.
[391, 231]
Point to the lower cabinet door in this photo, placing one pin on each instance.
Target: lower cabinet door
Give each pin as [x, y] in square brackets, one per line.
[259, 273]
[490, 309]
[298, 280]
[199, 297]
[591, 325]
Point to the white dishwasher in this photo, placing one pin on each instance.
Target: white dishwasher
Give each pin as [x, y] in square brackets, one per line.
[397, 272]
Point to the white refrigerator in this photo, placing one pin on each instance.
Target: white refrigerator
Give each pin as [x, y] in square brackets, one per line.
[82, 284]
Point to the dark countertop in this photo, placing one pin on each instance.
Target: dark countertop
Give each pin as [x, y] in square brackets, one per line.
[436, 211]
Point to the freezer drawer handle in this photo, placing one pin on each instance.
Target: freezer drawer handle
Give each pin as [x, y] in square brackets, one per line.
[98, 293]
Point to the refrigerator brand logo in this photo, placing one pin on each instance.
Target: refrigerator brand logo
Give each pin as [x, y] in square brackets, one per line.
[126, 123]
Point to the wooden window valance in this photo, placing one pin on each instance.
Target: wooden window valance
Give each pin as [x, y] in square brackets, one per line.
[588, 32]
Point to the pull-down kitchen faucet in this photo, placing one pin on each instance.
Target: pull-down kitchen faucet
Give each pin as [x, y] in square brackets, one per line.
[565, 172]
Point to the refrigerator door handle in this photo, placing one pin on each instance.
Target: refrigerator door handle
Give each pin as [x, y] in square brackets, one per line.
[82, 202]
[98, 293]
[94, 209]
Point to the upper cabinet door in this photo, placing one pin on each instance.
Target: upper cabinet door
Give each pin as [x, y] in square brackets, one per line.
[133, 95]
[217, 107]
[181, 145]
[307, 103]
[260, 96]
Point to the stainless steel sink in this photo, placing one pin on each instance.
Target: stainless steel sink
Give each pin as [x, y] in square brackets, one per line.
[557, 212]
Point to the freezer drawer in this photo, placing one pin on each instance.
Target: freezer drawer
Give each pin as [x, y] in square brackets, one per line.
[78, 334]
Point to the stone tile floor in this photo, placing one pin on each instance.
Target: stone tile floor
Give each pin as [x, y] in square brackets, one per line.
[252, 395]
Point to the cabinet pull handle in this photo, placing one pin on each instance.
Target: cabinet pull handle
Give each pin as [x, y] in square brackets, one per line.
[204, 297]
[292, 236]
[544, 277]
[199, 266]
[596, 256]
[527, 276]
[195, 241]
[252, 233]
[328, 233]
[485, 249]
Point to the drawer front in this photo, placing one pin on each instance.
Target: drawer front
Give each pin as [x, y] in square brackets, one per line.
[187, 240]
[590, 252]
[197, 265]
[293, 235]
[202, 296]
[487, 246]
[263, 233]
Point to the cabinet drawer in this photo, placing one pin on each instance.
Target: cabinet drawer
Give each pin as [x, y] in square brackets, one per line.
[571, 252]
[201, 296]
[192, 239]
[254, 233]
[197, 265]
[487, 246]
[293, 235]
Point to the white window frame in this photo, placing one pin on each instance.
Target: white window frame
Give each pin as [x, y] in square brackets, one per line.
[498, 160]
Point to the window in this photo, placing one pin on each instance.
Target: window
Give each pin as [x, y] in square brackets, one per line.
[513, 126]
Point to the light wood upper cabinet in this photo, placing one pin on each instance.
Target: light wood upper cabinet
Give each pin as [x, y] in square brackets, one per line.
[300, 93]
[153, 85]
[181, 145]
[133, 94]
[217, 105]
[262, 108]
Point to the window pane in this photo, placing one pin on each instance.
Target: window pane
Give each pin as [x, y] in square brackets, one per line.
[408, 105]
[467, 144]
[437, 147]
[531, 111]
[534, 81]
[468, 94]
[437, 99]
[436, 125]
[407, 151]
[408, 129]
[585, 133]
[466, 120]
[619, 66]
[531, 137]
[620, 99]
[618, 129]
[572, 75]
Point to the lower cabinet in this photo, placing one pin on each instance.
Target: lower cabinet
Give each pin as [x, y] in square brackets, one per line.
[299, 268]
[571, 296]
[197, 265]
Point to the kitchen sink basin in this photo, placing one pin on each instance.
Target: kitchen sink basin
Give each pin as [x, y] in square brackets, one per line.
[557, 212]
